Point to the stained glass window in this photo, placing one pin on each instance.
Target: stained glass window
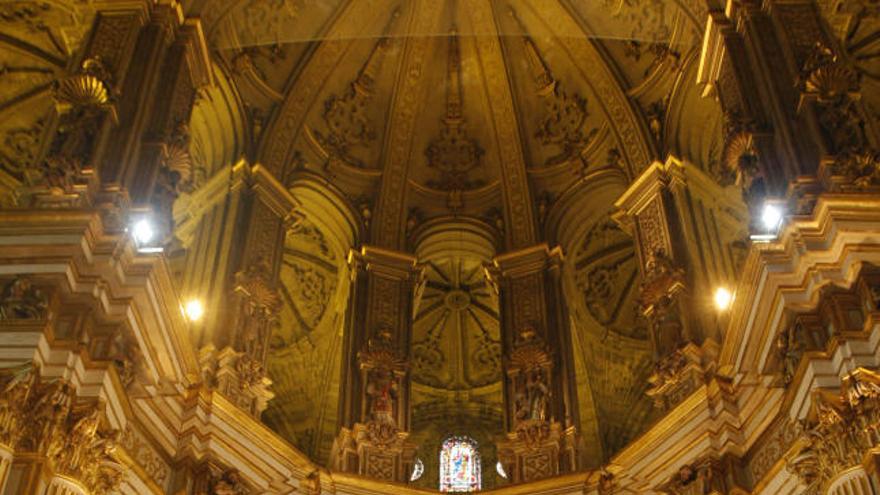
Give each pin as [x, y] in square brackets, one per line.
[459, 465]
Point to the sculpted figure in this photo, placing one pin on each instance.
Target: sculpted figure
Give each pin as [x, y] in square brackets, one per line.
[665, 327]
[537, 392]
[381, 394]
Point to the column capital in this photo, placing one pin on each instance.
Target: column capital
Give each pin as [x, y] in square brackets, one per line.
[525, 261]
[385, 262]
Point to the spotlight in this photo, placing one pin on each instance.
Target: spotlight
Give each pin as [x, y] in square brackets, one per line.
[771, 217]
[143, 231]
[723, 298]
[194, 310]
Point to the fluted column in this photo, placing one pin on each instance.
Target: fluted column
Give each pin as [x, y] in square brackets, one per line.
[540, 396]
[374, 395]
[690, 235]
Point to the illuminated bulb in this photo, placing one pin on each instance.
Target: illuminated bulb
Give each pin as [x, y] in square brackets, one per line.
[771, 217]
[194, 310]
[723, 298]
[143, 232]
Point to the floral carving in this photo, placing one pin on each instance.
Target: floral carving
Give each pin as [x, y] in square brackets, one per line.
[454, 154]
[861, 168]
[313, 291]
[145, 455]
[346, 117]
[563, 123]
[20, 148]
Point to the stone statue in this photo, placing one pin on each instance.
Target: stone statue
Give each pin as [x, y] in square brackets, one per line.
[537, 391]
[530, 396]
[665, 327]
[381, 395]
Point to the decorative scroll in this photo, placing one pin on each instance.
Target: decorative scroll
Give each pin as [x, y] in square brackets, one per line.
[348, 122]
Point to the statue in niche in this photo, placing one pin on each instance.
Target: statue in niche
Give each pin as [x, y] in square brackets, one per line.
[666, 327]
[382, 389]
[537, 390]
[789, 349]
[21, 300]
[530, 397]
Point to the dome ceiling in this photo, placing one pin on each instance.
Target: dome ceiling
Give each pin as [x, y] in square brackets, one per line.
[423, 108]
[421, 111]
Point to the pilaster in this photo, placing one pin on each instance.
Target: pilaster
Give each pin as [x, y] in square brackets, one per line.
[690, 234]
[539, 392]
[374, 403]
[251, 288]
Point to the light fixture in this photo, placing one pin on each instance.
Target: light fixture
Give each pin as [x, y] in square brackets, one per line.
[499, 468]
[143, 231]
[194, 310]
[771, 217]
[723, 298]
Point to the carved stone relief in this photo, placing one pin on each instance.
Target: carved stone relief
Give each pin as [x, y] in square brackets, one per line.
[456, 335]
[44, 417]
[842, 427]
[303, 358]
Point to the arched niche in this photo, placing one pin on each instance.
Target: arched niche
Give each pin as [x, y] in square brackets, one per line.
[455, 352]
[600, 283]
[304, 361]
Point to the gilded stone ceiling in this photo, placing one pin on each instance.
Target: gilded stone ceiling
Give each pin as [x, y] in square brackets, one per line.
[421, 110]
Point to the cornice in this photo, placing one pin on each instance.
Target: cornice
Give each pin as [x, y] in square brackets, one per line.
[809, 253]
